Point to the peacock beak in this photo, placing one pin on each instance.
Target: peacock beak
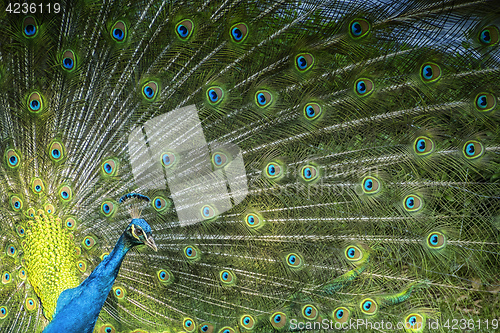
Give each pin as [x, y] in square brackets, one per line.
[151, 243]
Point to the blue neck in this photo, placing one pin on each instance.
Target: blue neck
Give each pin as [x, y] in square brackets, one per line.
[78, 308]
[109, 267]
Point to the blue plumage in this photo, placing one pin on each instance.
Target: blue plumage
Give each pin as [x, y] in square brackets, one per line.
[78, 308]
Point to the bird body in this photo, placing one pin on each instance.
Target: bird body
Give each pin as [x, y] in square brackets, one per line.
[300, 164]
[78, 308]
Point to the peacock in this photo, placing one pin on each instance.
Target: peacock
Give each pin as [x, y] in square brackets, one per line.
[250, 166]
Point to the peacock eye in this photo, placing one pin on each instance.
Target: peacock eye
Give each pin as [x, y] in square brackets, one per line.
[359, 28]
[263, 98]
[353, 253]
[239, 32]
[430, 72]
[304, 62]
[363, 87]
[413, 203]
[423, 146]
[139, 232]
[485, 102]
[30, 27]
[68, 61]
[370, 185]
[473, 149]
[149, 90]
[312, 111]
[341, 314]
[247, 322]
[184, 29]
[310, 312]
[278, 320]
[215, 95]
[35, 102]
[119, 31]
[369, 306]
[489, 35]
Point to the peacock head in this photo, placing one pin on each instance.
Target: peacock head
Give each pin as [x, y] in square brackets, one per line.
[139, 233]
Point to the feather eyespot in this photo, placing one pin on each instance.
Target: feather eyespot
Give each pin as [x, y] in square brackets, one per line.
[207, 328]
[70, 223]
[370, 185]
[22, 274]
[226, 330]
[353, 253]
[30, 304]
[253, 221]
[263, 98]
[312, 111]
[207, 212]
[423, 146]
[3, 312]
[159, 203]
[436, 240]
[184, 29]
[430, 72]
[191, 252]
[81, 265]
[49, 209]
[108, 328]
[13, 158]
[359, 28]
[304, 62]
[247, 321]
[56, 151]
[104, 255]
[278, 320]
[16, 203]
[68, 60]
[65, 193]
[309, 173]
[119, 31]
[11, 250]
[294, 260]
[485, 102]
[119, 292]
[107, 208]
[369, 306]
[239, 32]
[20, 231]
[150, 90]
[310, 312]
[341, 314]
[273, 170]
[363, 87]
[189, 324]
[473, 149]
[37, 186]
[227, 277]
[88, 242]
[109, 167]
[489, 35]
[35, 103]
[414, 322]
[164, 276]
[30, 27]
[168, 159]
[219, 159]
[6, 278]
[30, 212]
[413, 203]
[215, 95]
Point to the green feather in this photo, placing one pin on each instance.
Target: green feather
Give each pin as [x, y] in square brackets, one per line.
[305, 161]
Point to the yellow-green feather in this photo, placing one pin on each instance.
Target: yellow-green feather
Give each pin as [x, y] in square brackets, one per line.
[50, 260]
